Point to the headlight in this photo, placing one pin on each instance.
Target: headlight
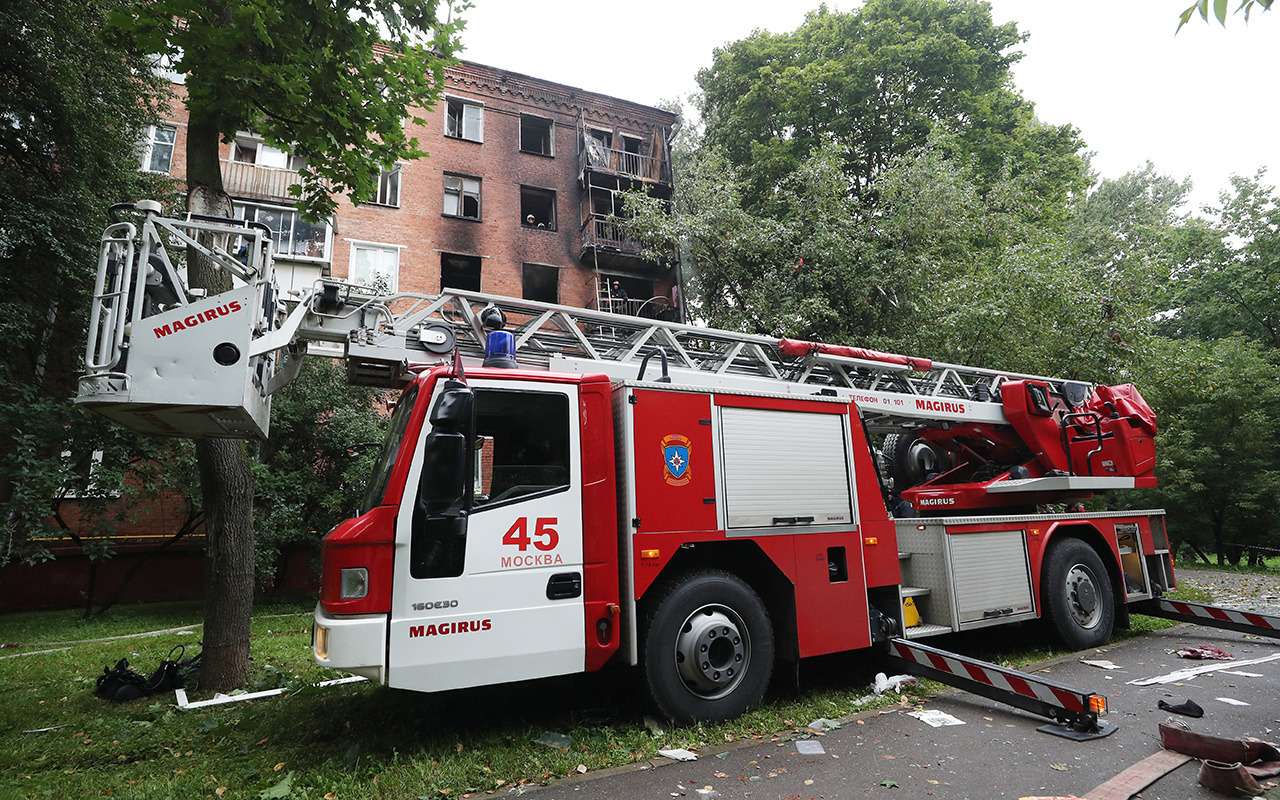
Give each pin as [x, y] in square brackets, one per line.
[355, 583]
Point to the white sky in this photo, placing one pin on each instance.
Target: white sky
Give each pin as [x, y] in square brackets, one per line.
[1201, 104]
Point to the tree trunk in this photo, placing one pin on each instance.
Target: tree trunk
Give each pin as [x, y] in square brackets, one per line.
[226, 482]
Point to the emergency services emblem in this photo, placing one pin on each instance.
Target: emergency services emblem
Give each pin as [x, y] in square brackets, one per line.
[675, 459]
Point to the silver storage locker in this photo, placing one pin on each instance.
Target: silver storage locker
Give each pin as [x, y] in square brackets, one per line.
[990, 576]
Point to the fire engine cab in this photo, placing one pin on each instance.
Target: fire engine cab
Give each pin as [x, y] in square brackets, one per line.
[563, 490]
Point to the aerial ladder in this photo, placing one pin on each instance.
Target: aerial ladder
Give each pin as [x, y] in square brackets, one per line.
[159, 356]
[163, 358]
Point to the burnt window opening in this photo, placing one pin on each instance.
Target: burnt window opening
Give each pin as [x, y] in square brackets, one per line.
[541, 283]
[459, 272]
[461, 196]
[537, 208]
[536, 135]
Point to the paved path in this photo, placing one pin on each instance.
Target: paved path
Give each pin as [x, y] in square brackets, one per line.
[1249, 591]
[997, 754]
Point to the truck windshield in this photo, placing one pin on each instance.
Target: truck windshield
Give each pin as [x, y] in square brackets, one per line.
[390, 449]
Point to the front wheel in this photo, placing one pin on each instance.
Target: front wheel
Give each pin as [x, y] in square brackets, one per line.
[1078, 596]
[708, 648]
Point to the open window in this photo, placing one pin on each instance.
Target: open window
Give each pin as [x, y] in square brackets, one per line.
[464, 120]
[459, 272]
[536, 135]
[388, 188]
[461, 196]
[537, 208]
[541, 283]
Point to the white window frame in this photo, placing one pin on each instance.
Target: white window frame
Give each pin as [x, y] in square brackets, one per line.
[551, 136]
[149, 143]
[258, 143]
[462, 192]
[281, 256]
[378, 199]
[356, 244]
[466, 101]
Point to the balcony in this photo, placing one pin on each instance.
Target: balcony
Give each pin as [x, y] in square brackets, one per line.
[641, 167]
[601, 232]
[241, 179]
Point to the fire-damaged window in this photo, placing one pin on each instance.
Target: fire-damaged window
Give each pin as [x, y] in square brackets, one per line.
[461, 196]
[537, 208]
[540, 282]
[459, 272]
[536, 135]
[522, 445]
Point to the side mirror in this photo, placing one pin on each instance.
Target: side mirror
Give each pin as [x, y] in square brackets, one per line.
[442, 488]
[452, 412]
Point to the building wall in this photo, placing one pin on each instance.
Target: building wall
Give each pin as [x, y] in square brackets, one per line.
[418, 226]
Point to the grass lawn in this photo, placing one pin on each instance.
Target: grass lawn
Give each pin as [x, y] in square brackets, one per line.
[355, 741]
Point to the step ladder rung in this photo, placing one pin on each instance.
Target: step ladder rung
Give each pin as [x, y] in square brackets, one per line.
[904, 556]
[914, 591]
[923, 630]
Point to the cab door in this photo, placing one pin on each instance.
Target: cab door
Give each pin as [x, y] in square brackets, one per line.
[499, 598]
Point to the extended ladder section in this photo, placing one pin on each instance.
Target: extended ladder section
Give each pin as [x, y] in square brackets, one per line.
[1210, 616]
[1074, 713]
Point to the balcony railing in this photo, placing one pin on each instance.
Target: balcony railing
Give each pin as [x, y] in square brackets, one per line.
[601, 231]
[635, 165]
[241, 179]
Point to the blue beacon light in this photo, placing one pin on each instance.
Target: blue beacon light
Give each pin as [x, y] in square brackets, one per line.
[499, 345]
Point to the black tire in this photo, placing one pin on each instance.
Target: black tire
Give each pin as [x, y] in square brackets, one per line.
[1079, 600]
[910, 460]
[686, 615]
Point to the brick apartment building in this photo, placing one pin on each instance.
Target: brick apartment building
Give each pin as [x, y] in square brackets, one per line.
[513, 198]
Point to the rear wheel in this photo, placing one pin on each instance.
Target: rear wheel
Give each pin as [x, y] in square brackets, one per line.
[708, 648]
[1078, 597]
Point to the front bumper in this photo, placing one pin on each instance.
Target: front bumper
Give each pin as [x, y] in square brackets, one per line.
[355, 644]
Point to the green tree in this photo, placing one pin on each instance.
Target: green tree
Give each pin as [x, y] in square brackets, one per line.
[1219, 441]
[1233, 287]
[880, 81]
[333, 83]
[313, 470]
[72, 110]
[1220, 10]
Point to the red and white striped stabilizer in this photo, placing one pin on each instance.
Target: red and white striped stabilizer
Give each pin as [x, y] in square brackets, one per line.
[1213, 616]
[1002, 684]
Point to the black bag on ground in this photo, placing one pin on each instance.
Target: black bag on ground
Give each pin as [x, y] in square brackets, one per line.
[122, 684]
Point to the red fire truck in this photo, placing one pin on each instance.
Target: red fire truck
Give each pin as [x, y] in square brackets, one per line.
[564, 490]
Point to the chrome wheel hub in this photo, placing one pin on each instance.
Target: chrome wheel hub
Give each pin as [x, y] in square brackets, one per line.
[1083, 597]
[712, 651]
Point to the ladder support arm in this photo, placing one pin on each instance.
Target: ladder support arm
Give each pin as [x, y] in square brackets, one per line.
[1210, 616]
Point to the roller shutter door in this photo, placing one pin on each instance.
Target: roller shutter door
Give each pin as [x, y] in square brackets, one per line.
[784, 468]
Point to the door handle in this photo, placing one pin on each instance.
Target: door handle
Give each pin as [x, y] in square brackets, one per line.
[564, 586]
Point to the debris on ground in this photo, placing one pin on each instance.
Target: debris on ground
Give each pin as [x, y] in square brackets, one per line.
[896, 684]
[554, 740]
[581, 769]
[810, 747]
[1100, 663]
[934, 718]
[1204, 652]
[823, 725]
[45, 730]
[1241, 673]
[653, 726]
[1187, 708]
[1191, 672]
[678, 754]
[1231, 701]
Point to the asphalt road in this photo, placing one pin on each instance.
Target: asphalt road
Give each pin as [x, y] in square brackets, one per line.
[997, 753]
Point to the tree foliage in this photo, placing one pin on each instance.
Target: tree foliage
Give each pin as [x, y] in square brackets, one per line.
[72, 109]
[880, 81]
[312, 471]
